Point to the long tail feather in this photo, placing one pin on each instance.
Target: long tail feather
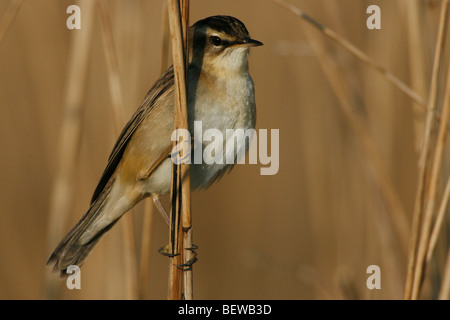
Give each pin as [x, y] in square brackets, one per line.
[71, 250]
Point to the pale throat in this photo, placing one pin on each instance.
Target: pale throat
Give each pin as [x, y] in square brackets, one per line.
[233, 62]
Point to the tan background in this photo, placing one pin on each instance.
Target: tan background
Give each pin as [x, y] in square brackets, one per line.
[308, 232]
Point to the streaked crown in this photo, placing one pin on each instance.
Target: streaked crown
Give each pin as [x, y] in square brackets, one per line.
[226, 25]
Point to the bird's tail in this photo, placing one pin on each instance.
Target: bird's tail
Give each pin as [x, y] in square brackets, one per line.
[78, 243]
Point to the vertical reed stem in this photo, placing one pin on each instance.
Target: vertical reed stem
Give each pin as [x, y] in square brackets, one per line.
[444, 293]
[186, 217]
[424, 155]
[180, 213]
[431, 195]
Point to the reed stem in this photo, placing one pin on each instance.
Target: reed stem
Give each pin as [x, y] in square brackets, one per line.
[180, 213]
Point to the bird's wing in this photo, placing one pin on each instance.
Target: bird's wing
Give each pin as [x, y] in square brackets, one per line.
[161, 86]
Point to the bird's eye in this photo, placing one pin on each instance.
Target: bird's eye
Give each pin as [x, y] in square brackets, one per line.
[216, 41]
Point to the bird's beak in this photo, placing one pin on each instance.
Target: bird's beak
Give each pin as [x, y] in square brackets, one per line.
[247, 43]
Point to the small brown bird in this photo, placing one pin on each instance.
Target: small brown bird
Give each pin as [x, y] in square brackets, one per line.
[220, 94]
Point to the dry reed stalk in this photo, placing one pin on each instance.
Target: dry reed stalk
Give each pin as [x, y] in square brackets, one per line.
[444, 293]
[8, 17]
[180, 213]
[130, 258]
[68, 147]
[186, 218]
[424, 155]
[431, 195]
[438, 222]
[355, 52]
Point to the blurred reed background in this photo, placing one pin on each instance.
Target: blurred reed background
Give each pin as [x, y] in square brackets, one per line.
[350, 143]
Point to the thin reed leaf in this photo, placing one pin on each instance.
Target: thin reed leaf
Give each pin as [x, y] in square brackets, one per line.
[431, 194]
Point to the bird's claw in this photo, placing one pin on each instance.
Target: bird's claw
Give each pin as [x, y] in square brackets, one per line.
[166, 252]
[185, 266]
[188, 265]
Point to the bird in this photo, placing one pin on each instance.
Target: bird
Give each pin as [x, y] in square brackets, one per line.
[220, 94]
